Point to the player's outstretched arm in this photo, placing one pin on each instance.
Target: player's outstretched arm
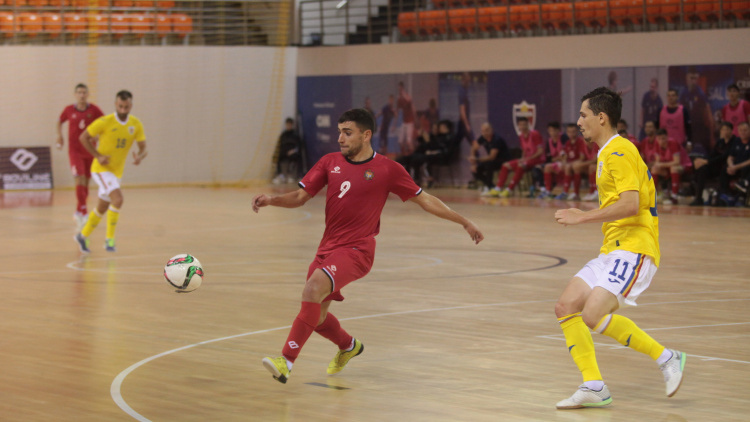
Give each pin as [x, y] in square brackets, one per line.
[293, 199]
[626, 206]
[88, 143]
[59, 141]
[437, 207]
[141, 154]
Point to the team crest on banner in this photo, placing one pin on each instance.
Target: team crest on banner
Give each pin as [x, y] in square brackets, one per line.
[526, 110]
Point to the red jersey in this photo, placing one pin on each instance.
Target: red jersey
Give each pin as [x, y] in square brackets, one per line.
[530, 143]
[635, 142]
[593, 151]
[356, 196]
[666, 155]
[736, 115]
[407, 114]
[575, 150]
[648, 148]
[555, 146]
[78, 121]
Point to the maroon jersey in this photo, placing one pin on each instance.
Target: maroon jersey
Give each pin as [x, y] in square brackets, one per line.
[78, 121]
[593, 151]
[356, 196]
[736, 115]
[648, 148]
[666, 155]
[575, 150]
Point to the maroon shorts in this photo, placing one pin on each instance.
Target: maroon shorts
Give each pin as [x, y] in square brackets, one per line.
[344, 265]
[80, 164]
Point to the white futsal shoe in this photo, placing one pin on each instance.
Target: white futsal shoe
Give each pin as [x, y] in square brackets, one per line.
[672, 370]
[586, 397]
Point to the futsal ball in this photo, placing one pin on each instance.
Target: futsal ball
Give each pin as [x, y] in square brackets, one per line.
[184, 273]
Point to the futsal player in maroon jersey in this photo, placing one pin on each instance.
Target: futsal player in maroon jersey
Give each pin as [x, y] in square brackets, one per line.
[79, 116]
[359, 181]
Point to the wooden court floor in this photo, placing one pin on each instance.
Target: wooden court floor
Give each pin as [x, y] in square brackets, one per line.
[452, 331]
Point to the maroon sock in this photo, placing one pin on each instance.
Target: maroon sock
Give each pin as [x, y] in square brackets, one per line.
[566, 183]
[502, 177]
[516, 177]
[592, 182]
[82, 192]
[548, 181]
[577, 183]
[331, 329]
[302, 328]
[675, 183]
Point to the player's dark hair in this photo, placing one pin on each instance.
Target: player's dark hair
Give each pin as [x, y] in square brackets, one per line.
[124, 95]
[692, 69]
[672, 90]
[447, 123]
[555, 125]
[727, 124]
[623, 121]
[660, 132]
[604, 100]
[623, 133]
[289, 120]
[522, 119]
[649, 121]
[572, 125]
[361, 117]
[733, 87]
[81, 85]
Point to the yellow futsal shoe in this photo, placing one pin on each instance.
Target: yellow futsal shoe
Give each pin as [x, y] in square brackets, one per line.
[342, 357]
[278, 368]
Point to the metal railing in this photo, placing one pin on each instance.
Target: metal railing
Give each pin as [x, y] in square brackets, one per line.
[127, 22]
[339, 22]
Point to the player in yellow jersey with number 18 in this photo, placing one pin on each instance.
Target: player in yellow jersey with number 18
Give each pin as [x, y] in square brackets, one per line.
[116, 133]
[628, 258]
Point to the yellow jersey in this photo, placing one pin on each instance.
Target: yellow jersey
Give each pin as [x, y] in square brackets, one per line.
[620, 168]
[115, 140]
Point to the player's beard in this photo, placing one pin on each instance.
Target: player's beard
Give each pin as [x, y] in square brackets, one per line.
[352, 152]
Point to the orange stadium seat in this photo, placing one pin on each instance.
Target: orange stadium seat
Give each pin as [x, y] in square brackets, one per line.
[123, 3]
[737, 9]
[97, 24]
[439, 4]
[493, 19]
[38, 3]
[659, 11]
[18, 3]
[407, 23]
[165, 4]
[144, 4]
[59, 3]
[141, 24]
[463, 21]
[85, 4]
[433, 21]
[74, 23]
[52, 23]
[7, 24]
[163, 24]
[525, 16]
[557, 15]
[591, 13]
[119, 24]
[182, 24]
[30, 24]
[702, 10]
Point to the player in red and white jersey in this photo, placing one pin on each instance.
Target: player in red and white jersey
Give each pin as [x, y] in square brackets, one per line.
[573, 154]
[649, 144]
[79, 116]
[359, 181]
[737, 111]
[671, 160]
[589, 166]
[532, 154]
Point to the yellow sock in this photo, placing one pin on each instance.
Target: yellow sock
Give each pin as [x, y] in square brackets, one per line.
[113, 214]
[581, 346]
[91, 223]
[628, 334]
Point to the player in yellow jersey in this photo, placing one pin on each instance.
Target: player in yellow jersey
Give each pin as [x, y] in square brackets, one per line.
[116, 133]
[628, 258]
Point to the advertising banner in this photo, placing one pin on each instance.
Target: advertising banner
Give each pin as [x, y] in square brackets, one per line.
[25, 168]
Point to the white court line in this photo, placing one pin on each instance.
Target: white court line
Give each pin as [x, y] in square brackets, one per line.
[116, 393]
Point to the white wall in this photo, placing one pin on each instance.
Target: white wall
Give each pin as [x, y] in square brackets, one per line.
[607, 50]
[203, 108]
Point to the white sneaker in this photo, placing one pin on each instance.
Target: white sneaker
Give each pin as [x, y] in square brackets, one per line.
[573, 197]
[672, 370]
[586, 397]
[593, 196]
[484, 191]
[279, 179]
[81, 220]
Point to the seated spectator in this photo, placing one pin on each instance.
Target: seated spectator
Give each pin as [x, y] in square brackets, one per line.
[589, 167]
[573, 152]
[432, 148]
[672, 161]
[737, 111]
[737, 173]
[553, 148]
[622, 125]
[532, 150]
[484, 165]
[649, 143]
[289, 158]
[706, 169]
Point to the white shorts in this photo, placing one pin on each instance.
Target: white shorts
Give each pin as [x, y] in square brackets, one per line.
[107, 182]
[622, 273]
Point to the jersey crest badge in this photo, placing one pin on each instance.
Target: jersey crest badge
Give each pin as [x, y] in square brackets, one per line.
[369, 174]
[131, 130]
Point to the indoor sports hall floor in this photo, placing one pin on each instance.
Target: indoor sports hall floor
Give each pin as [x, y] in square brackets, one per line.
[452, 331]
